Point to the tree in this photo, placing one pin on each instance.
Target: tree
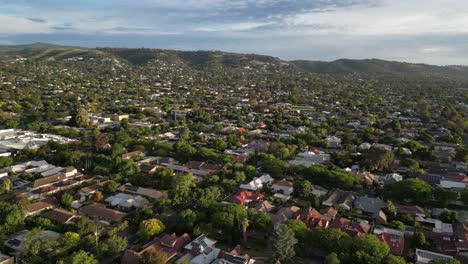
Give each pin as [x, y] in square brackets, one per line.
[300, 229]
[70, 239]
[182, 185]
[66, 200]
[305, 189]
[377, 158]
[5, 162]
[97, 196]
[389, 208]
[80, 118]
[184, 150]
[449, 216]
[83, 257]
[418, 240]
[331, 258]
[149, 228]
[283, 242]
[5, 185]
[102, 142]
[186, 220]
[110, 187]
[368, 249]
[414, 190]
[464, 197]
[392, 259]
[444, 261]
[154, 257]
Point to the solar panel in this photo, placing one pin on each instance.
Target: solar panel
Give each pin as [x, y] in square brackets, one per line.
[207, 250]
[131, 188]
[14, 242]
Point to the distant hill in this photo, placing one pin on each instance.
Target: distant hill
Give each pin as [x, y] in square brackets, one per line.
[214, 61]
[383, 68]
[36, 49]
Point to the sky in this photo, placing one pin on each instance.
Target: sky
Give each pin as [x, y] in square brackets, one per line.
[425, 31]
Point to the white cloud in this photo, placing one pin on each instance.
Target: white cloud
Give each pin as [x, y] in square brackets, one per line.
[387, 17]
[12, 25]
[240, 26]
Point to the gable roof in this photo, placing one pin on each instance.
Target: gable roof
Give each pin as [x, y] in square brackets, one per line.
[48, 180]
[100, 211]
[59, 215]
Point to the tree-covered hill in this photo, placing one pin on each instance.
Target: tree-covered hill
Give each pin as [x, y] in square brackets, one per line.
[218, 61]
[383, 68]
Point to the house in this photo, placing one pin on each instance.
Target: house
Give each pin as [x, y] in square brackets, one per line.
[46, 181]
[318, 191]
[233, 257]
[15, 241]
[169, 244]
[329, 213]
[101, 213]
[129, 155]
[87, 192]
[343, 199]
[126, 202]
[313, 218]
[246, 197]
[333, 141]
[392, 178]
[366, 176]
[380, 218]
[5, 259]
[70, 171]
[395, 239]
[59, 216]
[265, 207]
[355, 227]
[283, 187]
[150, 194]
[310, 158]
[413, 210]
[40, 206]
[257, 183]
[202, 250]
[368, 205]
[460, 186]
[148, 168]
[284, 214]
[425, 256]
[434, 225]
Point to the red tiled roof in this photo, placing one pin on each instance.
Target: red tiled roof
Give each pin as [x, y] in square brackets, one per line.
[242, 196]
[396, 243]
[284, 183]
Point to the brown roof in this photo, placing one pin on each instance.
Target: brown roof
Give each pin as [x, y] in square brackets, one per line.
[284, 183]
[168, 244]
[100, 211]
[48, 180]
[59, 215]
[43, 204]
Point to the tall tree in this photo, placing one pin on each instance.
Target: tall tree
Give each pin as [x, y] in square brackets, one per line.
[283, 242]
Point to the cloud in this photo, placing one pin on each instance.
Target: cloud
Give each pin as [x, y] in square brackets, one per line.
[38, 20]
[415, 30]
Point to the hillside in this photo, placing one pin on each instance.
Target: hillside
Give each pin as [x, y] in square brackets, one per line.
[382, 68]
[215, 61]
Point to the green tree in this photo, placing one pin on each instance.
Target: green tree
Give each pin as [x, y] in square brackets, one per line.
[83, 257]
[392, 259]
[149, 228]
[444, 261]
[389, 208]
[80, 118]
[186, 220]
[110, 187]
[5, 162]
[66, 200]
[377, 158]
[449, 216]
[368, 249]
[5, 185]
[283, 242]
[331, 258]
[182, 185]
[154, 257]
[305, 189]
[414, 190]
[418, 240]
[70, 239]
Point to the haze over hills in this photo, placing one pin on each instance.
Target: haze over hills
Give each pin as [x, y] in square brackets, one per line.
[210, 60]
